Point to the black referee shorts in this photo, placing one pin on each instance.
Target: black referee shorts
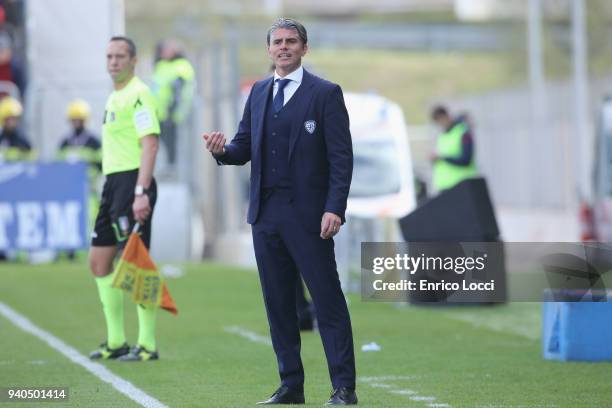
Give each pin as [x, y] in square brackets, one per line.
[115, 218]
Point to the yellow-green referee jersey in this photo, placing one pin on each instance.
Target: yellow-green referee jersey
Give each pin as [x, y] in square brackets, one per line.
[129, 116]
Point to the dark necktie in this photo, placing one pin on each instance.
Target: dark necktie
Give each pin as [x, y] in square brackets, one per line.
[279, 99]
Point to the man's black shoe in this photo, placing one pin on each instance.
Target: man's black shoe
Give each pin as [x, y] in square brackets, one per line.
[343, 396]
[284, 395]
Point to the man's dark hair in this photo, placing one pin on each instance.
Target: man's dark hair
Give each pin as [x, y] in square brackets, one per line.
[289, 24]
[439, 112]
[129, 42]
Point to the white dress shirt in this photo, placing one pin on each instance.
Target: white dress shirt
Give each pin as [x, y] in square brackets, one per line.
[291, 87]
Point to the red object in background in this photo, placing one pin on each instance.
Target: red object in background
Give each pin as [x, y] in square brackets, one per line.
[587, 223]
[6, 74]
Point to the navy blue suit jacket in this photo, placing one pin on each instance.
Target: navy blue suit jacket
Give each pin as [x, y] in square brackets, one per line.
[321, 162]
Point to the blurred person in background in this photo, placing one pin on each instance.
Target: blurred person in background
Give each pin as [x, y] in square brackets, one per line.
[14, 145]
[295, 132]
[11, 68]
[82, 145]
[173, 88]
[307, 316]
[454, 157]
[129, 147]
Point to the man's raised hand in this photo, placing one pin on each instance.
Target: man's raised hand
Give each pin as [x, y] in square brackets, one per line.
[215, 142]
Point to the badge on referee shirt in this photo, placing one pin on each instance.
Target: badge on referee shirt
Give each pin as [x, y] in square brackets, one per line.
[143, 120]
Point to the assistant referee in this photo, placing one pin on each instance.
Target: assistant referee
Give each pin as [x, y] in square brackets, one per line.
[129, 146]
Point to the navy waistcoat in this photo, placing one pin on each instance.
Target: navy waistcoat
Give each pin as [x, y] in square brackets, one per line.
[275, 145]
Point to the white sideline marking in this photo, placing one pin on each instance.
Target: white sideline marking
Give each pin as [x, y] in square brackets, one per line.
[418, 398]
[388, 378]
[380, 385]
[123, 386]
[382, 382]
[403, 392]
[249, 335]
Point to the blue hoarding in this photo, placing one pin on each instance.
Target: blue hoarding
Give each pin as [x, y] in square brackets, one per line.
[43, 206]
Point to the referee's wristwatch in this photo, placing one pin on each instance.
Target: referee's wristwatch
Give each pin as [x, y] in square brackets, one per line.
[140, 190]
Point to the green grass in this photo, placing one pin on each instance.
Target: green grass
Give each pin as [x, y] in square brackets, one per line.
[465, 357]
[414, 80]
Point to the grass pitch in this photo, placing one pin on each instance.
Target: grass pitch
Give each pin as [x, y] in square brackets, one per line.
[430, 357]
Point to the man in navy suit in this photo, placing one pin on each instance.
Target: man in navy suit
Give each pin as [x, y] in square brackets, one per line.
[295, 132]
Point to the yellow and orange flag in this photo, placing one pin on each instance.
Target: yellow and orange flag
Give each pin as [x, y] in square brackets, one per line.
[137, 275]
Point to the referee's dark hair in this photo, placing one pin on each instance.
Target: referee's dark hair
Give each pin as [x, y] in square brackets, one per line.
[129, 42]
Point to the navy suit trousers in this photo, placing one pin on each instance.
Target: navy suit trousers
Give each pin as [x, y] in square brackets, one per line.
[284, 250]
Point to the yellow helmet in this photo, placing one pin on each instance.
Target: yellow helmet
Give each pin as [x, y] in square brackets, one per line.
[78, 109]
[9, 106]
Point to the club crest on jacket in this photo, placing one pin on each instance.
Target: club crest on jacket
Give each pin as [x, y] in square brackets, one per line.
[310, 126]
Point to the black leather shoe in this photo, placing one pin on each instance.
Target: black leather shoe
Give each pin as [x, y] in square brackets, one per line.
[343, 396]
[284, 395]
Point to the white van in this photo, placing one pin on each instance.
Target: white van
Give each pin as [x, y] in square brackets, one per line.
[383, 180]
[596, 216]
[382, 188]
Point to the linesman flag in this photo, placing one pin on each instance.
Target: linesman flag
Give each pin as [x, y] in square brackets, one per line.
[137, 275]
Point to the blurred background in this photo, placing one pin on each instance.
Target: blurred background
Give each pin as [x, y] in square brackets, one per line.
[529, 80]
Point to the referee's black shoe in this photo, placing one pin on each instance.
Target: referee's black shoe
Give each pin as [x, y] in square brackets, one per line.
[106, 353]
[139, 353]
[285, 395]
[343, 396]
